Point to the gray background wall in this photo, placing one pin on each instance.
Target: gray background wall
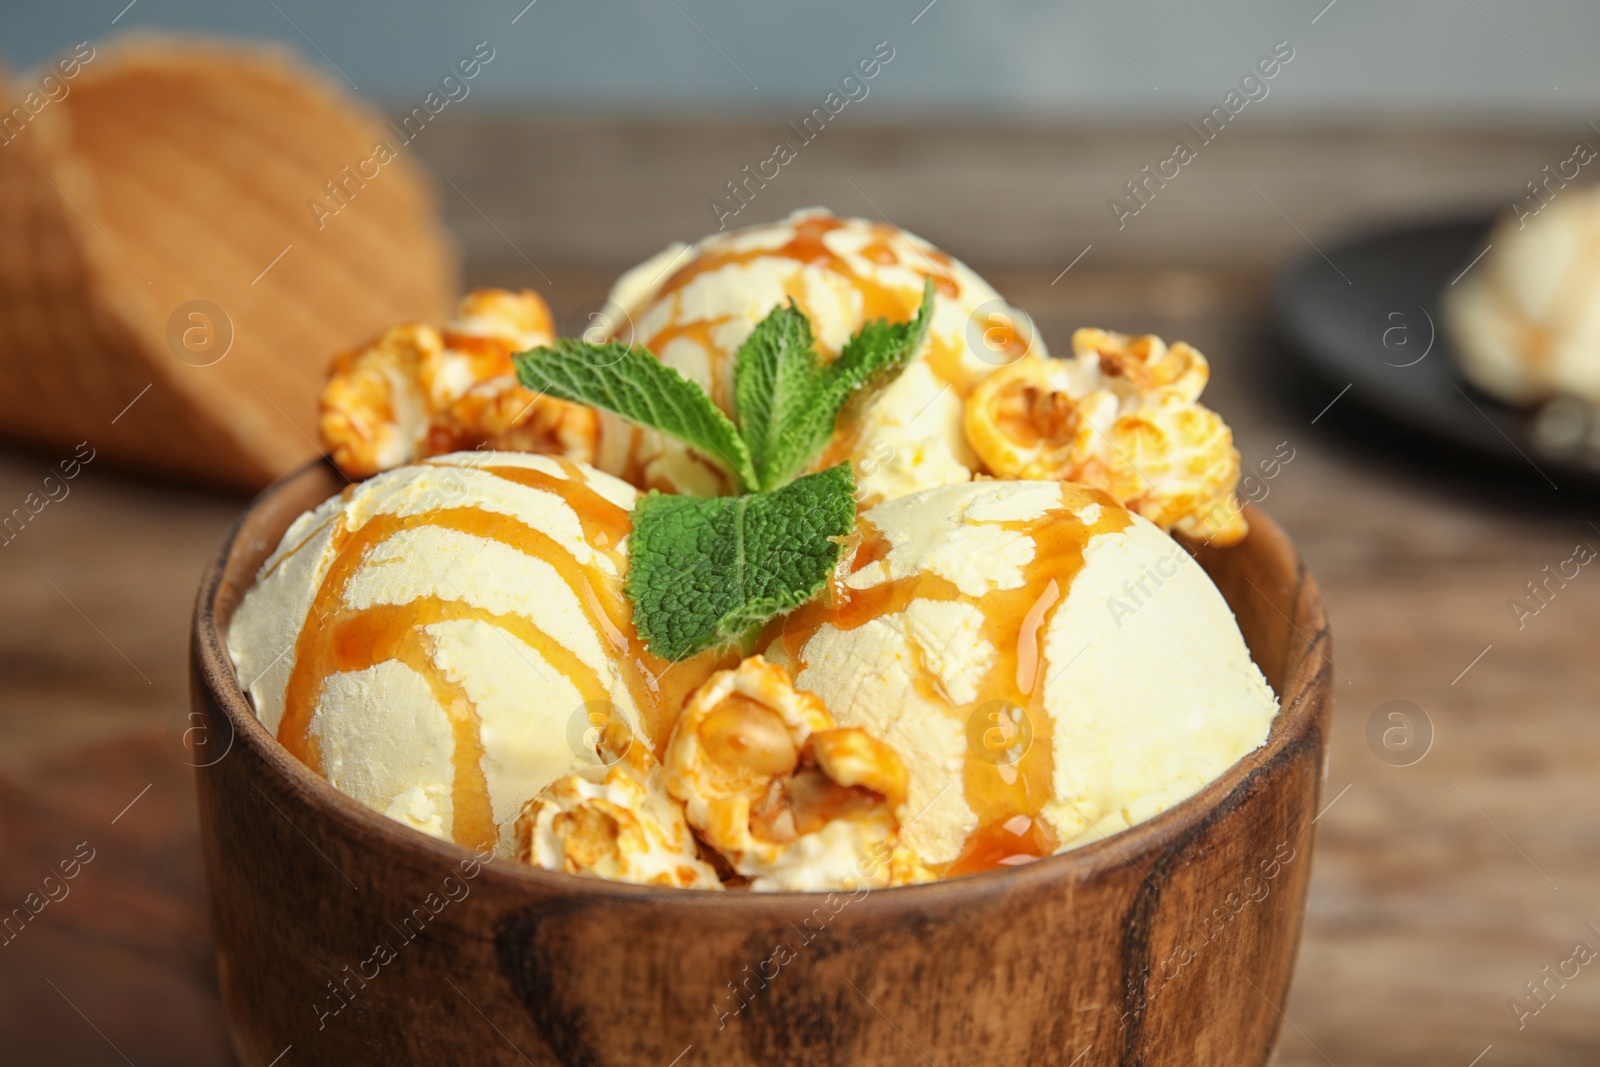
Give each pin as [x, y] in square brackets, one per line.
[1495, 61]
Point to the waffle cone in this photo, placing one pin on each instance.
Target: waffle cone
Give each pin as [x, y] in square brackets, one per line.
[183, 171]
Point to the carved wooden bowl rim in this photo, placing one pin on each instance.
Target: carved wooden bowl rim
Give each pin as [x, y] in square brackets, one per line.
[1305, 682]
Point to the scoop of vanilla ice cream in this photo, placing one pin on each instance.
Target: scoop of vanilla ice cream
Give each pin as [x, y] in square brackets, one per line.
[694, 305]
[1526, 320]
[441, 641]
[1050, 667]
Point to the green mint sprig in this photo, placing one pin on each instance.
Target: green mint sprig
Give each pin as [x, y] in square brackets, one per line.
[774, 385]
[789, 400]
[704, 573]
[630, 382]
[707, 573]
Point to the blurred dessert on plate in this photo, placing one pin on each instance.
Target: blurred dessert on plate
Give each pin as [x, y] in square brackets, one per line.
[1526, 319]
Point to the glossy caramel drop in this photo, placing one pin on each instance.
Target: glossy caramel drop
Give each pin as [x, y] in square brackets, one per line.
[1020, 839]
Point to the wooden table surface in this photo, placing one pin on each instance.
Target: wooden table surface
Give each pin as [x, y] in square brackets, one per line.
[1440, 888]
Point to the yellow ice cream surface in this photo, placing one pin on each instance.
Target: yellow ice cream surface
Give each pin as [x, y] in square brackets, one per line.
[1051, 667]
[694, 306]
[441, 640]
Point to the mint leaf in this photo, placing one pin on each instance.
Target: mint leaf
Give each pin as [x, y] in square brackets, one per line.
[880, 349]
[877, 352]
[707, 572]
[630, 382]
[775, 381]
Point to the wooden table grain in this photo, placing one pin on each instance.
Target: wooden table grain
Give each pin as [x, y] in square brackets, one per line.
[1440, 888]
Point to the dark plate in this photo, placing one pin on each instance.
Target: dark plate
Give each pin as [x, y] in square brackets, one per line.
[1366, 315]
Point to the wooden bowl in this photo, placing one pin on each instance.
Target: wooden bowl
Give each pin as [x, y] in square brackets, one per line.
[357, 940]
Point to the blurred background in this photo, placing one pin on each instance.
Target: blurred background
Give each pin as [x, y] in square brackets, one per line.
[1454, 867]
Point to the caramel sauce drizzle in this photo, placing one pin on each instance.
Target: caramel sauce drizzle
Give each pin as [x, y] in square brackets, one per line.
[878, 301]
[1007, 794]
[808, 247]
[659, 687]
[880, 253]
[336, 639]
[700, 331]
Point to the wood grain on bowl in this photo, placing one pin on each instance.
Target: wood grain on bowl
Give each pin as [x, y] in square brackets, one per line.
[356, 940]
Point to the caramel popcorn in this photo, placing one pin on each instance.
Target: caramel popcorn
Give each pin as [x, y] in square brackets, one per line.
[1122, 415]
[792, 801]
[415, 391]
[624, 828]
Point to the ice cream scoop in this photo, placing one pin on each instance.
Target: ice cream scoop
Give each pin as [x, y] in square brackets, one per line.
[1050, 667]
[441, 641]
[1526, 320]
[693, 306]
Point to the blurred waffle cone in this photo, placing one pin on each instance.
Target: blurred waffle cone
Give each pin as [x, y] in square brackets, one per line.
[161, 246]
